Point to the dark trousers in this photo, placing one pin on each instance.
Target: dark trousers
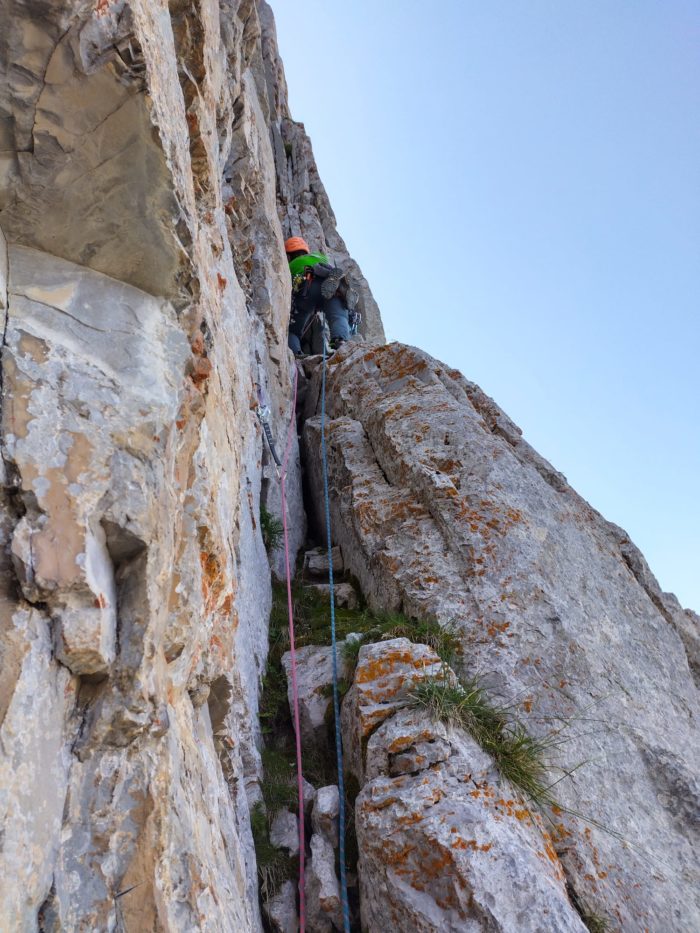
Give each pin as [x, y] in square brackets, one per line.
[306, 303]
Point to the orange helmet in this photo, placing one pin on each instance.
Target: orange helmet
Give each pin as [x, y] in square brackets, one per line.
[295, 243]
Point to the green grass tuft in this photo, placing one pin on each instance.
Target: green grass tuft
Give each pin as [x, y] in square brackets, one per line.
[444, 640]
[280, 784]
[274, 865]
[351, 651]
[596, 923]
[312, 624]
[272, 530]
[520, 758]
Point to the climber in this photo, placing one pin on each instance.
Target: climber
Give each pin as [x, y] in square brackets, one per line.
[314, 287]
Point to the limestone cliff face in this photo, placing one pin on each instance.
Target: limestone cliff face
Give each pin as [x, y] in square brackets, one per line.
[149, 172]
[145, 194]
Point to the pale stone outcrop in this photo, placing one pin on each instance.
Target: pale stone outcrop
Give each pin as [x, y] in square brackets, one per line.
[281, 910]
[344, 594]
[444, 843]
[324, 816]
[284, 832]
[323, 906]
[314, 676]
[316, 562]
[442, 510]
[386, 674]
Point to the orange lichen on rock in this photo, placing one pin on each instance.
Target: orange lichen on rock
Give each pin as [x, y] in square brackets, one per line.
[201, 370]
[403, 742]
[472, 844]
[217, 591]
[378, 668]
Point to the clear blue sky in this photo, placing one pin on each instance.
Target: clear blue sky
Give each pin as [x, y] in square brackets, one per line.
[520, 183]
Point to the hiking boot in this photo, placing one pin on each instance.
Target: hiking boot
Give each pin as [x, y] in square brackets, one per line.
[329, 285]
[337, 342]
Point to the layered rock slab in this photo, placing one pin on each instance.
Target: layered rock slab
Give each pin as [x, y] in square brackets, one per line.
[94, 386]
[141, 164]
[133, 623]
[444, 844]
[443, 511]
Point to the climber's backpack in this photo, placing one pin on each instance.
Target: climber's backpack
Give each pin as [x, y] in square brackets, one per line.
[336, 282]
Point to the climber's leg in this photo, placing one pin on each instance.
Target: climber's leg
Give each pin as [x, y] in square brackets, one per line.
[297, 323]
[337, 317]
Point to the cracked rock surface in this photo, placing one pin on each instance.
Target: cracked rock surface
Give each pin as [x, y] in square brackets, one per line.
[150, 171]
[145, 194]
[444, 843]
[443, 511]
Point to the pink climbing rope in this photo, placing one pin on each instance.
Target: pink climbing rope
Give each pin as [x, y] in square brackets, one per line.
[292, 651]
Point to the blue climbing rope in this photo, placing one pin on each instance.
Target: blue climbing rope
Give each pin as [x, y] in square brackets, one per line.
[336, 699]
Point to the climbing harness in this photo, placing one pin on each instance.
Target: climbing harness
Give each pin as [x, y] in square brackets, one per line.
[292, 650]
[263, 413]
[336, 699]
[332, 281]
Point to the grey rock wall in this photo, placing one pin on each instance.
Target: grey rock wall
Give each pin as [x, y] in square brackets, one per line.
[443, 511]
[145, 297]
[149, 173]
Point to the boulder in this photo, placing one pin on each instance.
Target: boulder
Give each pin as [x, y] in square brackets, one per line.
[309, 796]
[444, 843]
[316, 562]
[345, 594]
[314, 687]
[324, 816]
[284, 832]
[385, 675]
[281, 910]
[406, 743]
[323, 905]
[447, 846]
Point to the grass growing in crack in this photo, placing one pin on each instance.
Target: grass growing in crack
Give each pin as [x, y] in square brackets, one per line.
[463, 705]
[311, 620]
[280, 785]
[350, 651]
[596, 923]
[444, 640]
[382, 627]
[312, 626]
[271, 528]
[593, 921]
[519, 757]
[274, 865]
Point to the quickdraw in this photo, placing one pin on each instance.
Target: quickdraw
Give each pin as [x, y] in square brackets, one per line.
[263, 413]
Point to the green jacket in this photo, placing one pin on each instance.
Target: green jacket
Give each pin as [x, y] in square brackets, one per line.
[298, 265]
